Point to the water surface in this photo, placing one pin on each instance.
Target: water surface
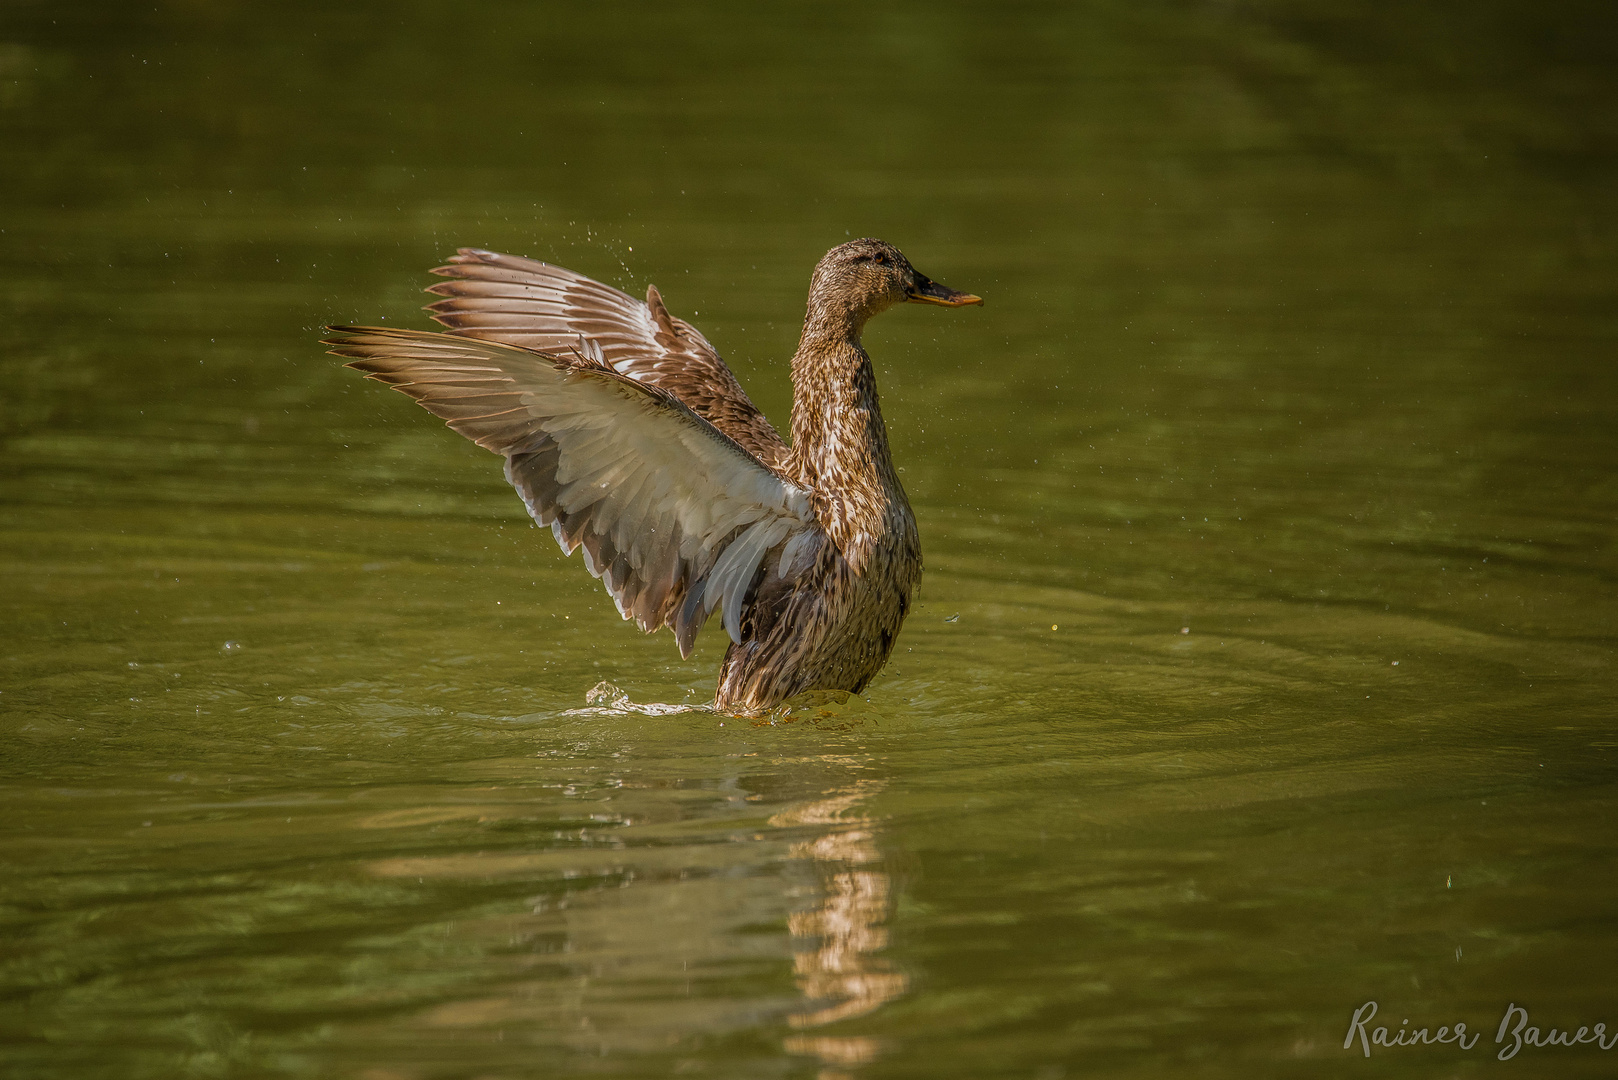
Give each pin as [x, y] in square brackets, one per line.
[1263, 665]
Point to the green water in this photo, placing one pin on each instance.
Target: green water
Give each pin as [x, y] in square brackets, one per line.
[1264, 662]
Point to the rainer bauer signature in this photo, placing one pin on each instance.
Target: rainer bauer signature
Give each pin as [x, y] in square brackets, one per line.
[1513, 1034]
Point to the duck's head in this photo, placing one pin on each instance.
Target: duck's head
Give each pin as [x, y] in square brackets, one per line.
[866, 276]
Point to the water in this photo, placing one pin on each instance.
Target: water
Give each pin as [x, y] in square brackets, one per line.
[1264, 660]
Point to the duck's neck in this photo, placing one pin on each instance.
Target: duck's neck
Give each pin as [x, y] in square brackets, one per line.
[836, 418]
[839, 442]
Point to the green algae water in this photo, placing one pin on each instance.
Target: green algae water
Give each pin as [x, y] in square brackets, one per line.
[1263, 663]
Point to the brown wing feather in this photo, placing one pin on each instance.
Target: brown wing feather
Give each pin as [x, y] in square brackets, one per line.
[547, 308]
[673, 515]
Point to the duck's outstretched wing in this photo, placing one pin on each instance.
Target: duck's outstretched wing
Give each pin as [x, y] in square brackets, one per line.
[672, 514]
[524, 302]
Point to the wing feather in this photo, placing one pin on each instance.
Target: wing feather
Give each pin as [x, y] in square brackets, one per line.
[672, 514]
[547, 308]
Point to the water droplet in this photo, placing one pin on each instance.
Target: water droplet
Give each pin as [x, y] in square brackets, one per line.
[605, 695]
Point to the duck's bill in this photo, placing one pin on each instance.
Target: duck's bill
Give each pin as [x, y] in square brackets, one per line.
[928, 291]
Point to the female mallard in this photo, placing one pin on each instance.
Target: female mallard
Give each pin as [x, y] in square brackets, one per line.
[625, 432]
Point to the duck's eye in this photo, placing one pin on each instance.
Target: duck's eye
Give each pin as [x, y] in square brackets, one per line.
[880, 260]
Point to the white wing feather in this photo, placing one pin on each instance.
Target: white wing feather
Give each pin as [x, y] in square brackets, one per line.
[673, 515]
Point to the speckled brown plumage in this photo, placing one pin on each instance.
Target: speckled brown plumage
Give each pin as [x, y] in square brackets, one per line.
[625, 432]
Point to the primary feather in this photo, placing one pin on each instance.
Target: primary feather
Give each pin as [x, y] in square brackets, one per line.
[649, 489]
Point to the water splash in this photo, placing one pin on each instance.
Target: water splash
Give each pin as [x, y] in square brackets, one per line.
[608, 699]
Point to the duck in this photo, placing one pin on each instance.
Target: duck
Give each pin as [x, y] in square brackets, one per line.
[627, 435]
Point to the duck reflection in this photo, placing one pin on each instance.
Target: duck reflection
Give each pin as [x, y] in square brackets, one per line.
[637, 935]
[840, 974]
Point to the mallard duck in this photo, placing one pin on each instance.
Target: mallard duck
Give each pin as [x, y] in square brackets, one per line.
[624, 431]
